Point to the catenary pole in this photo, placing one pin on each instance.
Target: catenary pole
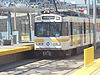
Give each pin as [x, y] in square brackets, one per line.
[88, 7]
[94, 24]
[88, 12]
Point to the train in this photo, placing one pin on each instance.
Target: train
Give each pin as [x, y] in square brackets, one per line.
[63, 35]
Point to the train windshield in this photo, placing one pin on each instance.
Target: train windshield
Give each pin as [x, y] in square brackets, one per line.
[48, 29]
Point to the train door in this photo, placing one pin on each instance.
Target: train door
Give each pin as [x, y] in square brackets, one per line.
[90, 41]
[66, 36]
[91, 24]
[82, 35]
[87, 33]
[79, 33]
[75, 33]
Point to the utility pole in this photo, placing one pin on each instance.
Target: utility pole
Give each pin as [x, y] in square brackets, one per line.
[94, 24]
[56, 10]
[88, 12]
[88, 7]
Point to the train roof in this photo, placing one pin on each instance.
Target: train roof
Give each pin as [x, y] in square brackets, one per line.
[73, 18]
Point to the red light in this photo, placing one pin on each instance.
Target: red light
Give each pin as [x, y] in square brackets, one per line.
[81, 10]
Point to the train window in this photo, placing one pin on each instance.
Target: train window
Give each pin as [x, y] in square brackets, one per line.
[41, 29]
[91, 24]
[87, 27]
[48, 17]
[65, 29]
[79, 28]
[48, 29]
[98, 27]
[55, 29]
[74, 28]
[82, 25]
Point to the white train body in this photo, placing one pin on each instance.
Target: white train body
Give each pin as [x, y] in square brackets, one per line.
[54, 32]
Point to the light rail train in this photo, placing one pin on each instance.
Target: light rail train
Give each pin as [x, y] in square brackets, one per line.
[59, 35]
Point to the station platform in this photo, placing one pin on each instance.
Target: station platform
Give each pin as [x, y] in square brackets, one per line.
[9, 54]
[4, 50]
[91, 69]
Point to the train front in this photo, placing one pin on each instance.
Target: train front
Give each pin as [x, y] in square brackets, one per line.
[48, 32]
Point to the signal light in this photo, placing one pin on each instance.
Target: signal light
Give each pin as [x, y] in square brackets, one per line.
[81, 10]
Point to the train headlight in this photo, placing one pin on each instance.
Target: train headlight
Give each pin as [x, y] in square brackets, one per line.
[39, 43]
[57, 18]
[56, 44]
[38, 18]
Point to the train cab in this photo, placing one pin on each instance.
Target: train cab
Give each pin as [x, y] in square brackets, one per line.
[48, 29]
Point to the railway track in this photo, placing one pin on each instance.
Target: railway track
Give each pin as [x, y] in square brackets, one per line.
[45, 66]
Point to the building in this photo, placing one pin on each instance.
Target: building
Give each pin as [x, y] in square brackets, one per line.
[98, 1]
[51, 1]
[33, 0]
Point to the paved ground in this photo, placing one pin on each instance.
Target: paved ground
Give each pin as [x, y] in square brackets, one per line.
[45, 67]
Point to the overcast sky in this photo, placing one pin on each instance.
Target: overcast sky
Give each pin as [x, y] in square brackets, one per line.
[75, 1]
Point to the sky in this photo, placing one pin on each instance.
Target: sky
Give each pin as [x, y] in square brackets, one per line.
[75, 1]
[78, 1]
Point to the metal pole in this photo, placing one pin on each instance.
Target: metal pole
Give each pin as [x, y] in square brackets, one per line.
[88, 7]
[15, 21]
[9, 25]
[56, 10]
[94, 24]
[29, 26]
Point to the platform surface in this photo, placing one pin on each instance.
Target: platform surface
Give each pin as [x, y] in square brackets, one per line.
[5, 50]
[15, 45]
[93, 69]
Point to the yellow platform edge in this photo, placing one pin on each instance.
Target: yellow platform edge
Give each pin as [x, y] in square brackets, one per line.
[91, 66]
[16, 50]
[90, 70]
